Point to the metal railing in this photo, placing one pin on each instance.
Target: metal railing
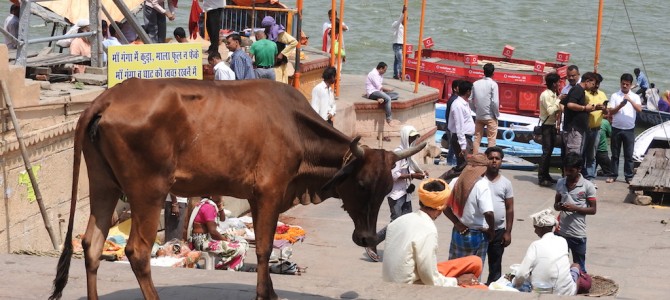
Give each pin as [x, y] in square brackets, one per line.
[239, 18]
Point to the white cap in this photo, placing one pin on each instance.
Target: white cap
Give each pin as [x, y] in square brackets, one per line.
[83, 23]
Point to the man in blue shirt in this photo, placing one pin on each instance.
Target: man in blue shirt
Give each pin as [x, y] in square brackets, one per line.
[642, 83]
[240, 61]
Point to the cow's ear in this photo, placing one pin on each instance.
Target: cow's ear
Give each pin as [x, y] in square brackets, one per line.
[340, 176]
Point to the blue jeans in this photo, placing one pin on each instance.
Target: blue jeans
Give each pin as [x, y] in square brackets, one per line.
[387, 100]
[590, 145]
[578, 248]
[397, 61]
[627, 138]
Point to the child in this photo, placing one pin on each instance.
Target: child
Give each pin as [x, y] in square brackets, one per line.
[575, 198]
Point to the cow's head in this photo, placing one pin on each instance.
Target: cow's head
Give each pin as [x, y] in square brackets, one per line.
[362, 185]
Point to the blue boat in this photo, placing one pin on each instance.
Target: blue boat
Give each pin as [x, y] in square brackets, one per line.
[510, 161]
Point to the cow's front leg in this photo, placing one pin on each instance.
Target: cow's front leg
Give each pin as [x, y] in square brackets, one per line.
[265, 215]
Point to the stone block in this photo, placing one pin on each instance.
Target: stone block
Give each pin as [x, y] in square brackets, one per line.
[91, 79]
[96, 71]
[642, 200]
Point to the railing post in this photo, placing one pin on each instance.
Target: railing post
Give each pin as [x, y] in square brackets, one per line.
[24, 23]
[96, 55]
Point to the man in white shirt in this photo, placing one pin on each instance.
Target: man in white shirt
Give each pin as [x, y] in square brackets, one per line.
[213, 10]
[623, 107]
[461, 126]
[411, 252]
[221, 70]
[376, 91]
[471, 211]
[398, 42]
[486, 104]
[547, 263]
[154, 19]
[403, 172]
[323, 97]
[11, 25]
[328, 24]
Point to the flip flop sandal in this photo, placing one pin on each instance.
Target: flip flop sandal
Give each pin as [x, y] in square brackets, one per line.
[285, 267]
[372, 254]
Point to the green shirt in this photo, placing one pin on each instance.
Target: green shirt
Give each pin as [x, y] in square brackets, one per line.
[264, 52]
[605, 132]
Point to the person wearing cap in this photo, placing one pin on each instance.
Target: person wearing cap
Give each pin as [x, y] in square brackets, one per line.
[154, 18]
[547, 263]
[403, 172]
[81, 45]
[412, 241]
[470, 209]
[285, 44]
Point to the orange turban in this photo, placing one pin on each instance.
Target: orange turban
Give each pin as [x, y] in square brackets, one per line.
[436, 200]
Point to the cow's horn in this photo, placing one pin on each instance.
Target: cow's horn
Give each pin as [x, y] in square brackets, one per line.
[410, 151]
[356, 149]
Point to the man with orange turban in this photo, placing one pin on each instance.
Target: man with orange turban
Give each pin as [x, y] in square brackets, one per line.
[410, 254]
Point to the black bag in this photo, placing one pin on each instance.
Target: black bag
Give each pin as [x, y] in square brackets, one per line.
[410, 188]
[537, 130]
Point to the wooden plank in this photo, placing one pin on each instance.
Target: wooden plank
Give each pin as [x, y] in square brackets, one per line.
[53, 59]
[653, 174]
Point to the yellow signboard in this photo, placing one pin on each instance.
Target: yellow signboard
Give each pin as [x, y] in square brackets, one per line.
[154, 61]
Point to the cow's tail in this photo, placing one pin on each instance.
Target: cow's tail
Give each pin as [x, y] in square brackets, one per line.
[62, 272]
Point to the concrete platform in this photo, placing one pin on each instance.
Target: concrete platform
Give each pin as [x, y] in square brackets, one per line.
[626, 243]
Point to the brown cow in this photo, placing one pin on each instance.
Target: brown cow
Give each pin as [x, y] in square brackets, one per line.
[252, 139]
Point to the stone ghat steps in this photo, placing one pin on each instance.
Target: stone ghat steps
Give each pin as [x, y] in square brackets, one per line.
[24, 92]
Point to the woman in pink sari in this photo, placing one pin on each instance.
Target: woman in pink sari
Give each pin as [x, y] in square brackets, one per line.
[203, 235]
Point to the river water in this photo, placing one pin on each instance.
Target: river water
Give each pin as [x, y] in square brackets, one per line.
[537, 29]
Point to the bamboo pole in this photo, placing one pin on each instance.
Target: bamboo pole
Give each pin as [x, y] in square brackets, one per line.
[596, 59]
[339, 49]
[333, 12]
[26, 163]
[298, 34]
[419, 47]
[404, 43]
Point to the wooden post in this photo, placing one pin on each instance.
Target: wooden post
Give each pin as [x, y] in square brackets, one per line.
[339, 49]
[131, 20]
[298, 34]
[404, 42]
[419, 46]
[22, 49]
[26, 163]
[96, 54]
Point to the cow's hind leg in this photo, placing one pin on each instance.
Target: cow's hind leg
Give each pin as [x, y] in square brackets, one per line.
[146, 198]
[265, 213]
[104, 195]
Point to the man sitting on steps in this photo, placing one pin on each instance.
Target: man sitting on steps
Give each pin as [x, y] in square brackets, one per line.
[376, 91]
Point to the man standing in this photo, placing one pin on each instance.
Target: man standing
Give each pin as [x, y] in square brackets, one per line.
[642, 83]
[154, 19]
[11, 25]
[445, 142]
[240, 62]
[575, 198]
[264, 51]
[550, 112]
[471, 211]
[462, 126]
[221, 70]
[623, 107]
[411, 255]
[398, 42]
[403, 172]
[502, 196]
[598, 98]
[285, 44]
[573, 79]
[376, 91]
[323, 96]
[328, 24]
[486, 104]
[576, 115]
[213, 10]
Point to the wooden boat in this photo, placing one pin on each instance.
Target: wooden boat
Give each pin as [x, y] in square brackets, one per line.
[655, 137]
[649, 117]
